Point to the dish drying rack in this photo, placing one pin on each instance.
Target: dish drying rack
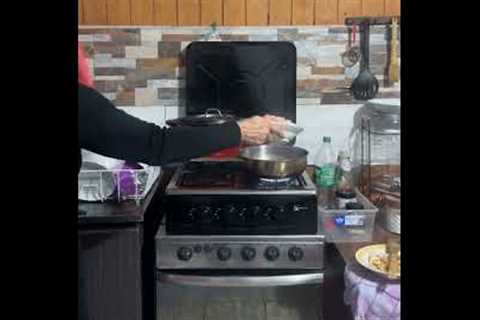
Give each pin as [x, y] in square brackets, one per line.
[117, 184]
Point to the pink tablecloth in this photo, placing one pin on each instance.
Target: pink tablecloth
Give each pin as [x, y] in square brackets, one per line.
[371, 297]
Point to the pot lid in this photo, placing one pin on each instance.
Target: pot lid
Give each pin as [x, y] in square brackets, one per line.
[210, 117]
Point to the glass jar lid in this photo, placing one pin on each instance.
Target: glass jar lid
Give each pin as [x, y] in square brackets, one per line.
[384, 115]
[384, 105]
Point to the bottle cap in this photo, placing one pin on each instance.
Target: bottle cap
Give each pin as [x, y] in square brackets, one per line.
[354, 206]
[342, 154]
[327, 139]
[345, 194]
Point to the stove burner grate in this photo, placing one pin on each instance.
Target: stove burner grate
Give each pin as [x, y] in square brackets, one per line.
[275, 184]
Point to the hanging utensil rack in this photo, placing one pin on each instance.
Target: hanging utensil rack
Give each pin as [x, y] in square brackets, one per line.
[371, 20]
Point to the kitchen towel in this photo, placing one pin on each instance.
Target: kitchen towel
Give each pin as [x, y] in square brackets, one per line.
[371, 297]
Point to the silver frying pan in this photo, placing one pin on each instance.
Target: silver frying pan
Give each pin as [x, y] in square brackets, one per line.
[275, 161]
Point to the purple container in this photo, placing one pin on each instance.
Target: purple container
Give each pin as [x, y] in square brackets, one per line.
[129, 183]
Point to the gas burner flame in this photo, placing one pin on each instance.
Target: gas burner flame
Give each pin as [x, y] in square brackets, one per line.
[269, 183]
[273, 181]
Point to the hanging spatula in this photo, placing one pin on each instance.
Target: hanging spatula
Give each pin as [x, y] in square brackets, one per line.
[365, 86]
[393, 66]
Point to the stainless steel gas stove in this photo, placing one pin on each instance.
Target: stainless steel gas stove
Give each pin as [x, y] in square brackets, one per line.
[237, 246]
[222, 198]
[234, 246]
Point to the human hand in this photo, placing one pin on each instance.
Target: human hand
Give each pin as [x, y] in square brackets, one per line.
[254, 130]
[282, 130]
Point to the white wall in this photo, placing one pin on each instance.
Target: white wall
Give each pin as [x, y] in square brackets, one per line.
[324, 120]
[317, 120]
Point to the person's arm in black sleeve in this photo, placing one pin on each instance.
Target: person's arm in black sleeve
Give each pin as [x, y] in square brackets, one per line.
[111, 132]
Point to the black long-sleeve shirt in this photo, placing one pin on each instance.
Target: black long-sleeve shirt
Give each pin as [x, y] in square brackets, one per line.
[111, 132]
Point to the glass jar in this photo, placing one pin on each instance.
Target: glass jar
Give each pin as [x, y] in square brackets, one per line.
[375, 144]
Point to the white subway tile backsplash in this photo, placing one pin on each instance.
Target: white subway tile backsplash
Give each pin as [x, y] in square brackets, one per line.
[311, 139]
[308, 101]
[326, 115]
[174, 112]
[335, 121]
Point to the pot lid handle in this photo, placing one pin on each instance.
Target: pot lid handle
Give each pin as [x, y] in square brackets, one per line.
[214, 110]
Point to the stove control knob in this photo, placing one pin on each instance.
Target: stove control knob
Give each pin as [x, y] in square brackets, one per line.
[279, 213]
[224, 253]
[230, 209]
[206, 215]
[229, 216]
[184, 253]
[248, 253]
[206, 210]
[295, 254]
[256, 210]
[190, 215]
[272, 253]
[253, 214]
[268, 213]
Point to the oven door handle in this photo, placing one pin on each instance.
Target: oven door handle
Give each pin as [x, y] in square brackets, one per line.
[240, 281]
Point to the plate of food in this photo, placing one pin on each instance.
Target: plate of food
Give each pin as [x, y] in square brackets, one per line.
[376, 258]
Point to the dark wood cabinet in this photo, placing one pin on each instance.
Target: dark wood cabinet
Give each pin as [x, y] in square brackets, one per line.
[109, 275]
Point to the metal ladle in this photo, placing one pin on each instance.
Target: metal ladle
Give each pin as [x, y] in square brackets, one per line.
[365, 86]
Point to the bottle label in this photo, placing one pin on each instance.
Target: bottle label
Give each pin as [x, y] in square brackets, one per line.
[325, 176]
[345, 165]
[354, 221]
[340, 220]
[349, 220]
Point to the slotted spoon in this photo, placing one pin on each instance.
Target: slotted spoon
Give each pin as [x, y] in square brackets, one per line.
[365, 86]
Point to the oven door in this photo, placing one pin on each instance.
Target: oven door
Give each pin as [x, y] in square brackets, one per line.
[239, 295]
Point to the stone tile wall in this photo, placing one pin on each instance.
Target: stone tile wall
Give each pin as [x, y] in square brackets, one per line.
[145, 66]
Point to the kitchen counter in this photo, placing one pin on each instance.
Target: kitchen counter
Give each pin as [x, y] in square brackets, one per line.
[116, 256]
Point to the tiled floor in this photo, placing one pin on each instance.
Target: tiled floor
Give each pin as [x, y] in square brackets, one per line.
[289, 303]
